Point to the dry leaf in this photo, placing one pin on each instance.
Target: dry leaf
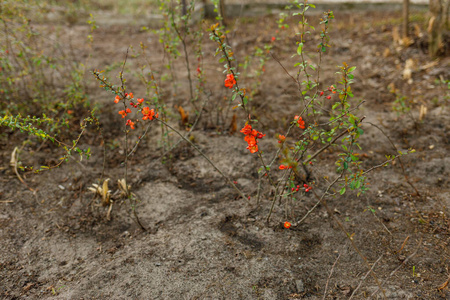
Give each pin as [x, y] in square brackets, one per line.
[124, 189]
[233, 125]
[408, 70]
[102, 191]
[396, 35]
[445, 284]
[422, 112]
[183, 114]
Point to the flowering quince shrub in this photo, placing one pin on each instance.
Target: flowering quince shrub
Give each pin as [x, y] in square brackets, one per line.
[307, 137]
[290, 171]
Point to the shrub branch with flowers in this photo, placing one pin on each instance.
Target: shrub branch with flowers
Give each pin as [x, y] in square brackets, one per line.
[313, 128]
[298, 154]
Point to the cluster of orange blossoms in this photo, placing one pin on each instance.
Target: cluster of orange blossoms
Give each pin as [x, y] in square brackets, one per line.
[251, 136]
[130, 123]
[230, 81]
[285, 167]
[300, 122]
[149, 114]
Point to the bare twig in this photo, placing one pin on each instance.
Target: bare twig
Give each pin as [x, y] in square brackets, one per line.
[205, 157]
[364, 259]
[365, 276]
[398, 268]
[281, 65]
[329, 277]
[399, 160]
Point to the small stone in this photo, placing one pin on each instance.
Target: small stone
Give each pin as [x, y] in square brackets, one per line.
[158, 264]
[300, 286]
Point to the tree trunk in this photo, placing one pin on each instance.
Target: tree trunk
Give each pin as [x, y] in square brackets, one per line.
[439, 15]
[183, 7]
[405, 18]
[223, 12]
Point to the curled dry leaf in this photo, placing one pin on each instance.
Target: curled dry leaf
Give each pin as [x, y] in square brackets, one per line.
[102, 191]
[124, 189]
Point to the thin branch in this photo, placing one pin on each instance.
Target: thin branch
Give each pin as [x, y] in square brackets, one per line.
[329, 277]
[398, 268]
[364, 259]
[281, 65]
[365, 276]
[205, 157]
[400, 161]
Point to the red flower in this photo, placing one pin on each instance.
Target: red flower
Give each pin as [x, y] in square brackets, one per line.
[251, 136]
[273, 39]
[230, 81]
[328, 97]
[128, 110]
[250, 139]
[149, 114]
[321, 94]
[123, 113]
[117, 99]
[300, 122]
[284, 167]
[130, 123]
[287, 225]
[247, 129]
[253, 148]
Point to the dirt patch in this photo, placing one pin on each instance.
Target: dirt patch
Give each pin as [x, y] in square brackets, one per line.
[204, 242]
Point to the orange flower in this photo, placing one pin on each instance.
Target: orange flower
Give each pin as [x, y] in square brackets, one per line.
[117, 99]
[253, 148]
[247, 129]
[149, 114]
[287, 225]
[230, 81]
[128, 110]
[123, 113]
[140, 100]
[284, 167]
[130, 123]
[281, 138]
[250, 139]
[130, 95]
[300, 122]
[251, 136]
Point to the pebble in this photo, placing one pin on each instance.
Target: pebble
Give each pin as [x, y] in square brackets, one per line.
[300, 286]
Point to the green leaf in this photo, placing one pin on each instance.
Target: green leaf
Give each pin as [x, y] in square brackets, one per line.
[300, 49]
[342, 191]
[351, 69]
